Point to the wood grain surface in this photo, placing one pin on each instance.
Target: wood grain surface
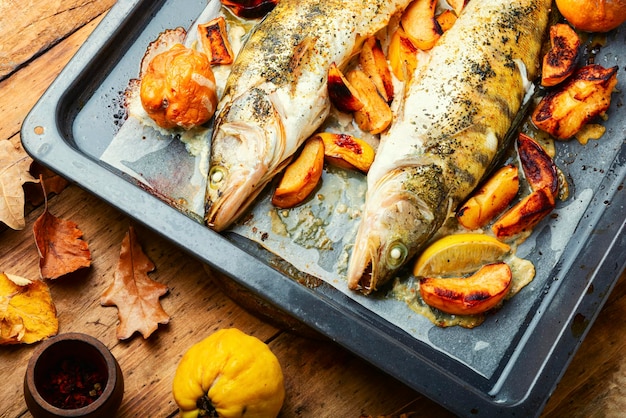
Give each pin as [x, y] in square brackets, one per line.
[322, 379]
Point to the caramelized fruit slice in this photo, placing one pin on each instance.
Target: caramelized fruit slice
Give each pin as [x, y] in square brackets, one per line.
[468, 296]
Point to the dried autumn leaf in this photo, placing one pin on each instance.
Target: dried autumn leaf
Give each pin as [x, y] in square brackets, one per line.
[27, 313]
[54, 184]
[134, 293]
[13, 174]
[18, 280]
[60, 245]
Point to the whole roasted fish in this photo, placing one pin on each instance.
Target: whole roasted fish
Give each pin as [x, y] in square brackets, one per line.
[451, 122]
[276, 95]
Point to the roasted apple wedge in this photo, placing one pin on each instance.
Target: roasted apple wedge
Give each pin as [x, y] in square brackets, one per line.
[560, 61]
[402, 55]
[420, 24]
[525, 215]
[347, 151]
[375, 115]
[538, 166]
[341, 93]
[491, 199]
[301, 176]
[472, 295]
[584, 95]
[250, 9]
[215, 43]
[374, 63]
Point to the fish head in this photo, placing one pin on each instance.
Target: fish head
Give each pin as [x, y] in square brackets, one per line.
[247, 142]
[395, 226]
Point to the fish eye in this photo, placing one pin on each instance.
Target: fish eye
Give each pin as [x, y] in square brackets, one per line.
[216, 176]
[397, 254]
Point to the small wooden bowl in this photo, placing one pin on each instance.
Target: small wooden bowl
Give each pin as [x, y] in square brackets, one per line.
[72, 348]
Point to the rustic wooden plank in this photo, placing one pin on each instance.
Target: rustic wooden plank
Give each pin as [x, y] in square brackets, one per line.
[594, 383]
[31, 27]
[20, 92]
[322, 379]
[319, 375]
[195, 305]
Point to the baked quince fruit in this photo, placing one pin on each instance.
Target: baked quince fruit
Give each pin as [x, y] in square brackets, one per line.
[178, 88]
[229, 374]
[593, 15]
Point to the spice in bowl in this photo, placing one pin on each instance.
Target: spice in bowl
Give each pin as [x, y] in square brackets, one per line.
[73, 375]
[73, 383]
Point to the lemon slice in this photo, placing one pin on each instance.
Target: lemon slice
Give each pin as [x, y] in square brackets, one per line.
[459, 254]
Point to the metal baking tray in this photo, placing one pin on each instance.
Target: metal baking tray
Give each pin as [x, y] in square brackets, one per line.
[508, 366]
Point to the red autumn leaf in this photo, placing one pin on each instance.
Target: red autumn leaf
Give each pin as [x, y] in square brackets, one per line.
[61, 247]
[134, 293]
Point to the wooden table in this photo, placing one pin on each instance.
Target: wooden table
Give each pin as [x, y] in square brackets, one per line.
[322, 379]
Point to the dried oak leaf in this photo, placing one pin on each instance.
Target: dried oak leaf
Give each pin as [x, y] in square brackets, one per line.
[27, 313]
[134, 293]
[61, 247]
[13, 174]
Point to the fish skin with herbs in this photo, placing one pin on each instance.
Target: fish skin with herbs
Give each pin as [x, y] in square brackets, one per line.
[276, 94]
[447, 130]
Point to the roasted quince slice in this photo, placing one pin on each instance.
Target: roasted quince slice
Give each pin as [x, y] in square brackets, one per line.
[457, 5]
[402, 55]
[341, 92]
[471, 295]
[215, 43]
[374, 63]
[492, 198]
[560, 61]
[420, 24]
[301, 176]
[525, 215]
[446, 19]
[539, 168]
[347, 151]
[375, 116]
[583, 96]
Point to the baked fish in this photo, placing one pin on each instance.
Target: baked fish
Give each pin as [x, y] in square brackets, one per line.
[276, 94]
[454, 115]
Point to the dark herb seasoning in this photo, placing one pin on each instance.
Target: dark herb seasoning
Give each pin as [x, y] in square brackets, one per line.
[73, 383]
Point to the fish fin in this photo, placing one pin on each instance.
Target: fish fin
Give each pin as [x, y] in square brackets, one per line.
[301, 55]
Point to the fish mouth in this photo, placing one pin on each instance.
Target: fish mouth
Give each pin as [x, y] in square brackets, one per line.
[227, 203]
[365, 281]
[363, 269]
